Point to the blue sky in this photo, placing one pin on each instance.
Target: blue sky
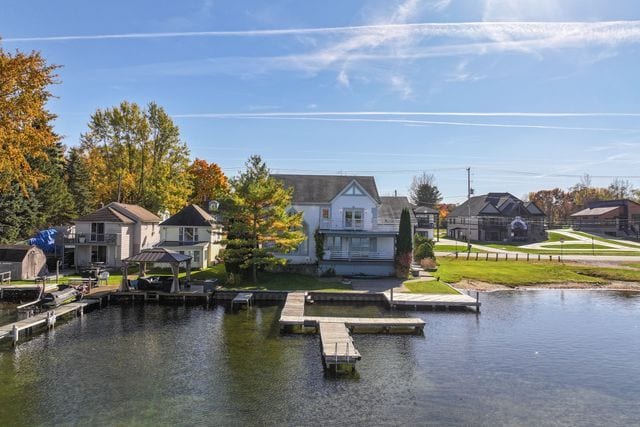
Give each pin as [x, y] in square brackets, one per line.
[530, 94]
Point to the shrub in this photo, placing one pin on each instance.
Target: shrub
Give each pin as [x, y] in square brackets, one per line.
[423, 248]
[403, 265]
[428, 263]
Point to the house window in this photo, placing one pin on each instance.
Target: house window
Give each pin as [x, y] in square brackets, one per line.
[333, 243]
[353, 218]
[325, 213]
[97, 231]
[196, 257]
[99, 254]
[363, 244]
[188, 234]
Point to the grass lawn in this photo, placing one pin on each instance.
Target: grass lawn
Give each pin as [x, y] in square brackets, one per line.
[603, 239]
[556, 237]
[511, 273]
[577, 246]
[420, 286]
[453, 248]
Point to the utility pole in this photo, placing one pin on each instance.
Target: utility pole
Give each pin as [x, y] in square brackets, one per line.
[469, 209]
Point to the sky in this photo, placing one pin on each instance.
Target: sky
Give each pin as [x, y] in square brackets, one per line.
[529, 94]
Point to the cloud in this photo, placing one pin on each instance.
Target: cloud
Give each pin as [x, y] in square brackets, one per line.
[401, 85]
[343, 79]
[462, 74]
[411, 113]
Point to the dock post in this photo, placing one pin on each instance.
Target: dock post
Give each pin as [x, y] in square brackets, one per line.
[538, 257]
[15, 333]
[477, 301]
[497, 255]
[528, 257]
[477, 254]
[517, 257]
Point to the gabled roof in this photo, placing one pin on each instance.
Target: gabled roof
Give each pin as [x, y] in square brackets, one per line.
[504, 204]
[391, 209]
[324, 188]
[191, 215]
[595, 211]
[120, 212]
[14, 253]
[160, 255]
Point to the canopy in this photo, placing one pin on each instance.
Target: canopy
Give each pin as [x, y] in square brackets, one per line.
[157, 255]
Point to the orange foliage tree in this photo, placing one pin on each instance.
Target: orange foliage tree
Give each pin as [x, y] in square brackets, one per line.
[26, 132]
[209, 182]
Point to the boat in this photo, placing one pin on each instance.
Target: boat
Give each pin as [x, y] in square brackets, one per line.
[58, 298]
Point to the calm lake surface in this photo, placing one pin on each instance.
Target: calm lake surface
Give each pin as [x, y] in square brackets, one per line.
[530, 358]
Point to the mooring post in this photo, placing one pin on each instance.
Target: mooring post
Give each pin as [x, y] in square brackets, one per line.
[528, 257]
[15, 334]
[477, 301]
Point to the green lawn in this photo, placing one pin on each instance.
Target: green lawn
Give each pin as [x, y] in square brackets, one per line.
[556, 237]
[512, 273]
[576, 246]
[453, 248]
[420, 286]
[603, 239]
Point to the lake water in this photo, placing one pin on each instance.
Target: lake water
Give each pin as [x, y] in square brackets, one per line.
[530, 358]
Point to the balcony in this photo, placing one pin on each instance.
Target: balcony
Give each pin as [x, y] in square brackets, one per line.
[91, 239]
[330, 225]
[356, 255]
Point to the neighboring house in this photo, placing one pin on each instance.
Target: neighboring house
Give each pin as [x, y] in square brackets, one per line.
[194, 232]
[113, 233]
[427, 220]
[358, 227]
[618, 218]
[497, 217]
[25, 262]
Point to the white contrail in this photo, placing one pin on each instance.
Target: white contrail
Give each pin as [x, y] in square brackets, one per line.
[421, 122]
[603, 32]
[403, 113]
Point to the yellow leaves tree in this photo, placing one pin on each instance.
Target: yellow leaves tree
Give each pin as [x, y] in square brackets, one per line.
[209, 182]
[26, 132]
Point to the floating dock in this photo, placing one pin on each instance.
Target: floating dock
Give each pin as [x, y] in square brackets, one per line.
[243, 298]
[402, 299]
[338, 351]
[47, 318]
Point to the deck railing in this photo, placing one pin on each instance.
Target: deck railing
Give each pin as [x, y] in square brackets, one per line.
[357, 255]
[342, 226]
[88, 238]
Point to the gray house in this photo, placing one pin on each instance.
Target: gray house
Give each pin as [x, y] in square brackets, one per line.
[497, 217]
[23, 261]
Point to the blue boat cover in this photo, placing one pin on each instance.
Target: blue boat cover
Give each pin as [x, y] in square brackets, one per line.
[45, 240]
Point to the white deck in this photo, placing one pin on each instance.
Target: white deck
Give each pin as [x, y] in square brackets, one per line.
[453, 300]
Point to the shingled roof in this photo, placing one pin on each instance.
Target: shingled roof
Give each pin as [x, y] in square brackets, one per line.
[391, 209]
[191, 215]
[502, 204]
[120, 212]
[324, 188]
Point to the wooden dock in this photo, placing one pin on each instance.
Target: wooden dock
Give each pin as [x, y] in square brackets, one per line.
[243, 298]
[338, 351]
[431, 300]
[47, 318]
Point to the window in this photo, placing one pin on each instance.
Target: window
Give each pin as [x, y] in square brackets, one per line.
[99, 254]
[188, 234]
[196, 256]
[97, 231]
[354, 190]
[325, 213]
[363, 244]
[353, 218]
[333, 243]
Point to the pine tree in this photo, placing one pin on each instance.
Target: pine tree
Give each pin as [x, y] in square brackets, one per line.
[404, 245]
[79, 182]
[259, 218]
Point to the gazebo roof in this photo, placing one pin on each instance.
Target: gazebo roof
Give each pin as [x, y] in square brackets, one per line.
[158, 255]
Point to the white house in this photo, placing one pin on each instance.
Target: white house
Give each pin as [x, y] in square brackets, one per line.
[358, 227]
[113, 233]
[193, 231]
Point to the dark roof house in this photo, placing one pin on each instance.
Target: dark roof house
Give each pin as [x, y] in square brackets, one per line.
[191, 215]
[324, 188]
[497, 204]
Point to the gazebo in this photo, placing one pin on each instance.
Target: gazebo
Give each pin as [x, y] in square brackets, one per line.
[156, 255]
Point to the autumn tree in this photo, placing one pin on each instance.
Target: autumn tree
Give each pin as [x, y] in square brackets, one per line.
[424, 191]
[557, 204]
[135, 155]
[209, 182]
[26, 131]
[259, 218]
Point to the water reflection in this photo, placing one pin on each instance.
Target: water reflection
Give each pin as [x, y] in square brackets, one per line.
[531, 357]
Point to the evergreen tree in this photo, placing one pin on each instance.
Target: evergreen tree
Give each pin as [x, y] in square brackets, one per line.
[79, 182]
[56, 203]
[19, 214]
[404, 245]
[424, 192]
[259, 219]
